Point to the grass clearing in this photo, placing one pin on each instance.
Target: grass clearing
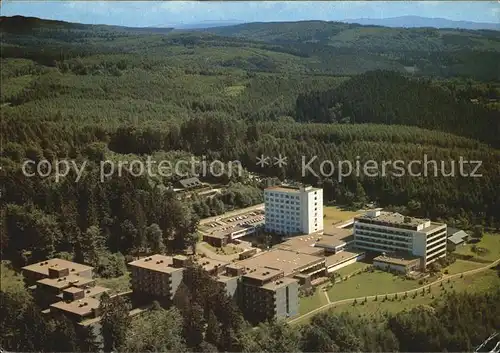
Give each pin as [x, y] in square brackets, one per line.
[350, 269]
[370, 283]
[478, 283]
[489, 241]
[462, 266]
[334, 214]
[116, 284]
[307, 304]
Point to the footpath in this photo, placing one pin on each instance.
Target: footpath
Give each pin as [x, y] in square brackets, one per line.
[350, 300]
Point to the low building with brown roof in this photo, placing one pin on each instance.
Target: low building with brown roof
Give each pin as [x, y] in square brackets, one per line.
[77, 310]
[398, 262]
[54, 268]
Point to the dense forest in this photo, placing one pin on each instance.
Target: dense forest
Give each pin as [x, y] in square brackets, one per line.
[323, 91]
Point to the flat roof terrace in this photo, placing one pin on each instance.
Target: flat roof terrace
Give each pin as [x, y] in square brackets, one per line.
[80, 307]
[398, 259]
[65, 282]
[432, 227]
[159, 263]
[263, 274]
[289, 262]
[291, 189]
[390, 219]
[282, 282]
[209, 264]
[43, 266]
[341, 257]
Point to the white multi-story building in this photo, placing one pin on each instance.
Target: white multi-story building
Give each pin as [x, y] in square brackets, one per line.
[389, 233]
[293, 210]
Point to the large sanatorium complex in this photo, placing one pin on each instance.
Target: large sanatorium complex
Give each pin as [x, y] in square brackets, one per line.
[265, 285]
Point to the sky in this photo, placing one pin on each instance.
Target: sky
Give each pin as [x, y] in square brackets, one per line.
[158, 13]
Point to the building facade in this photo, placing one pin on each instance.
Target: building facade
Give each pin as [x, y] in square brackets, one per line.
[157, 276]
[386, 232]
[265, 294]
[293, 210]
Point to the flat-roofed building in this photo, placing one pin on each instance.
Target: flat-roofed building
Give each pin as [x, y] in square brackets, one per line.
[336, 241]
[289, 262]
[216, 239]
[387, 232]
[157, 276]
[341, 259]
[229, 284]
[293, 210]
[54, 268]
[266, 294]
[212, 267]
[224, 231]
[402, 263]
[456, 237]
[77, 310]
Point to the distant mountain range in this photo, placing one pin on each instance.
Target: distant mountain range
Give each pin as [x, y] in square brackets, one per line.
[402, 21]
[204, 24]
[417, 21]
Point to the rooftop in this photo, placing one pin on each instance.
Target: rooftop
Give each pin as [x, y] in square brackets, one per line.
[397, 259]
[282, 282]
[333, 231]
[340, 257]
[291, 189]
[287, 261]
[262, 273]
[341, 237]
[160, 263]
[80, 307]
[65, 282]
[433, 226]
[298, 242]
[224, 279]
[94, 291]
[393, 218]
[210, 264]
[458, 237]
[73, 290]
[43, 267]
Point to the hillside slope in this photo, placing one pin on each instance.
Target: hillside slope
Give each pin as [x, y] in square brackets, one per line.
[384, 97]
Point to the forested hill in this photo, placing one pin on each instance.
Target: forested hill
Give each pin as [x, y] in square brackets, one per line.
[424, 51]
[21, 24]
[367, 37]
[385, 97]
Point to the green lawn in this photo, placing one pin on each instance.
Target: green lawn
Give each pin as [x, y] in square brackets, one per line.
[334, 214]
[462, 266]
[307, 304]
[489, 241]
[368, 283]
[350, 269]
[478, 283]
[117, 284]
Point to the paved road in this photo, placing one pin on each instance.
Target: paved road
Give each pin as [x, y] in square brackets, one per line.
[350, 300]
[232, 213]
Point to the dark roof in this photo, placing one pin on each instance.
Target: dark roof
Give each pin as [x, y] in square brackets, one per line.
[450, 231]
[190, 182]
